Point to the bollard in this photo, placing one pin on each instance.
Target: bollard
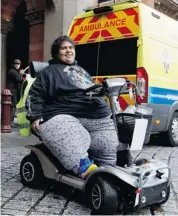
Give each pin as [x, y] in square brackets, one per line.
[6, 111]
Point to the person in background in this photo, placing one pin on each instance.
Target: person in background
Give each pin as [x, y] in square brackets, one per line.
[14, 83]
[23, 123]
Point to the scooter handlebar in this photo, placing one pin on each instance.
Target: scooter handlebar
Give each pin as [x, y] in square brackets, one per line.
[92, 88]
[101, 92]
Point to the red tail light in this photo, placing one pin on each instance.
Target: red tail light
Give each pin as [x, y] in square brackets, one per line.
[142, 85]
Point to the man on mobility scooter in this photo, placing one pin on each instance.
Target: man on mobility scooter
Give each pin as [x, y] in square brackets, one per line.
[77, 128]
[71, 123]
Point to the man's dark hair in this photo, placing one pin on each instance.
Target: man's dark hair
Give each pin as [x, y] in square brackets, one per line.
[57, 43]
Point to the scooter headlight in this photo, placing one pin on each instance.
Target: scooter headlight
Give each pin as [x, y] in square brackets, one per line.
[143, 199]
[163, 194]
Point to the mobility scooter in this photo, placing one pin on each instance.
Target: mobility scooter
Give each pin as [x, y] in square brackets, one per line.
[107, 188]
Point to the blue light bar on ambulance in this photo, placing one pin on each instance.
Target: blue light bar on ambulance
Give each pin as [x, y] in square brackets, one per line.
[103, 9]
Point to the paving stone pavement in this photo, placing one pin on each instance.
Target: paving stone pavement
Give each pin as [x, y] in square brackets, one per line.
[17, 199]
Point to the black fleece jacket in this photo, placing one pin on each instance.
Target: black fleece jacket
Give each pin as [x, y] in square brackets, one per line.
[14, 79]
[59, 90]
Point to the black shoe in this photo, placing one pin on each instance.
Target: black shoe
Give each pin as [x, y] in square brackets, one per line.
[124, 158]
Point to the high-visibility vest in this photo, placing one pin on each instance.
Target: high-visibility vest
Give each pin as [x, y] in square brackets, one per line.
[25, 127]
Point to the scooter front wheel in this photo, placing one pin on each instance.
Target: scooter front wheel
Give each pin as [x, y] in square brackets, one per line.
[31, 172]
[104, 197]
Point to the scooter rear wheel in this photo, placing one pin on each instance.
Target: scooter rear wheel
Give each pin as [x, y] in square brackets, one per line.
[31, 172]
[104, 197]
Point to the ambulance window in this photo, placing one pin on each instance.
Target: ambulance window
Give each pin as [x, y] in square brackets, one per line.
[118, 57]
[86, 55]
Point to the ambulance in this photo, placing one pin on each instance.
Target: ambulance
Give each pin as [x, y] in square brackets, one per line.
[135, 41]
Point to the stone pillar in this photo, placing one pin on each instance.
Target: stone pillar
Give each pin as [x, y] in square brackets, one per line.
[84, 4]
[58, 18]
[3, 61]
[53, 26]
[76, 7]
[36, 38]
[6, 26]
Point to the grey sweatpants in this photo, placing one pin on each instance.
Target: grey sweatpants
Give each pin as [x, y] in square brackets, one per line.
[71, 139]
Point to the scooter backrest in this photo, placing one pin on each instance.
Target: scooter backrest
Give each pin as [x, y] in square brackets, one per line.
[36, 67]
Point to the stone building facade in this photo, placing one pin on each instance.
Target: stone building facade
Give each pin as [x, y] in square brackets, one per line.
[43, 21]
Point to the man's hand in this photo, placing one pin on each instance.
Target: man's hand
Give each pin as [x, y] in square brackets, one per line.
[21, 71]
[35, 125]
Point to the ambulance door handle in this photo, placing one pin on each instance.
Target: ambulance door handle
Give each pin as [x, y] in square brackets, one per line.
[139, 42]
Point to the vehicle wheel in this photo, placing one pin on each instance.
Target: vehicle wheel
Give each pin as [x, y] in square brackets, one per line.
[31, 172]
[103, 197]
[173, 130]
